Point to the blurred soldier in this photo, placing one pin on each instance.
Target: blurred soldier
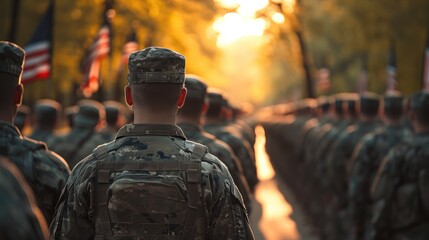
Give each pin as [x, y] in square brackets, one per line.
[215, 125]
[83, 137]
[46, 113]
[44, 170]
[20, 218]
[341, 152]
[401, 187]
[150, 182]
[115, 118]
[21, 117]
[189, 119]
[367, 157]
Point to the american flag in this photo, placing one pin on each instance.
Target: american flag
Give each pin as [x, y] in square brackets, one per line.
[37, 64]
[99, 50]
[391, 70]
[426, 68]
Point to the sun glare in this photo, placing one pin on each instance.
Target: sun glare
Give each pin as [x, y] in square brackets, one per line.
[236, 25]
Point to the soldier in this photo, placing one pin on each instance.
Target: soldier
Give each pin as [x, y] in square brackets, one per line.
[83, 137]
[401, 186]
[45, 171]
[20, 218]
[189, 119]
[215, 125]
[46, 113]
[367, 157]
[150, 182]
[21, 117]
[115, 118]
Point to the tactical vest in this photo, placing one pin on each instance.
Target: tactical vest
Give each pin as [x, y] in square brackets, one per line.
[138, 200]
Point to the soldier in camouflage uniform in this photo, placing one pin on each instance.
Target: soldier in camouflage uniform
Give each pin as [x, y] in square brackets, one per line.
[216, 126]
[366, 160]
[46, 113]
[340, 155]
[20, 218]
[400, 190]
[189, 119]
[44, 170]
[150, 182]
[83, 137]
[115, 118]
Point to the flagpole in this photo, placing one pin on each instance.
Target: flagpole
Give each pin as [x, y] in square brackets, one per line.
[51, 50]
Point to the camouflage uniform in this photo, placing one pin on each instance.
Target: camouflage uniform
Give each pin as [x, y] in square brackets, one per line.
[82, 138]
[121, 190]
[46, 114]
[115, 112]
[400, 188]
[20, 218]
[45, 171]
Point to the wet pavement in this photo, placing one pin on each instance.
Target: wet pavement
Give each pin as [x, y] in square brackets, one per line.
[276, 215]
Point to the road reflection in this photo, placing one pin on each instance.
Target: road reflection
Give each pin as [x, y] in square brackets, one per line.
[272, 221]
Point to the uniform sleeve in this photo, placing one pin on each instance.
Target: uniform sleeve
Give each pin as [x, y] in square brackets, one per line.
[229, 219]
[50, 173]
[72, 219]
[382, 190]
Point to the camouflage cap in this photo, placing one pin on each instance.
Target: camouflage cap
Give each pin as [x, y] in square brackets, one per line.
[393, 104]
[156, 65]
[215, 96]
[369, 103]
[89, 114]
[196, 87]
[114, 109]
[11, 58]
[47, 110]
[420, 101]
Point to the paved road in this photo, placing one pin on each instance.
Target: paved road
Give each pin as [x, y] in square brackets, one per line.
[276, 214]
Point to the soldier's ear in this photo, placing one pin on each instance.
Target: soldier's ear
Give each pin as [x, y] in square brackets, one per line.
[19, 93]
[182, 97]
[128, 96]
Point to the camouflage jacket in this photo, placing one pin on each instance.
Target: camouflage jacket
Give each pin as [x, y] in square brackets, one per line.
[400, 192]
[222, 151]
[241, 149]
[76, 145]
[224, 211]
[365, 162]
[45, 171]
[20, 218]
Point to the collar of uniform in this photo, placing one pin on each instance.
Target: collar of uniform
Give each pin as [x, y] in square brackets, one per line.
[187, 127]
[7, 128]
[150, 129]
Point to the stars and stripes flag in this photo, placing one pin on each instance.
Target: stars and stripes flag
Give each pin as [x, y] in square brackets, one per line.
[426, 67]
[38, 59]
[99, 50]
[391, 71]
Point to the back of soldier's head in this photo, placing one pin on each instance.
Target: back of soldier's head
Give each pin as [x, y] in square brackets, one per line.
[196, 96]
[393, 105]
[156, 76]
[11, 67]
[114, 111]
[216, 102]
[369, 104]
[339, 104]
[420, 106]
[90, 114]
[46, 113]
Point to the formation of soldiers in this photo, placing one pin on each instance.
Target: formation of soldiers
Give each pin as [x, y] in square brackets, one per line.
[358, 164]
[170, 173]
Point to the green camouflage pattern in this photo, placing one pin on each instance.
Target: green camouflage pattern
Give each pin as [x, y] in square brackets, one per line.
[45, 171]
[224, 215]
[20, 218]
[400, 192]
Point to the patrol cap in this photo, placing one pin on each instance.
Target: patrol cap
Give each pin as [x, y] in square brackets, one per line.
[156, 65]
[420, 105]
[89, 114]
[215, 97]
[196, 87]
[46, 111]
[113, 110]
[393, 104]
[369, 103]
[11, 58]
